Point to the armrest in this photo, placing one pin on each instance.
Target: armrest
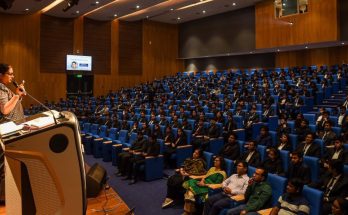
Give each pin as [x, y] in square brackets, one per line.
[98, 139]
[107, 142]
[150, 157]
[265, 211]
[136, 153]
[215, 186]
[238, 198]
[125, 149]
[184, 146]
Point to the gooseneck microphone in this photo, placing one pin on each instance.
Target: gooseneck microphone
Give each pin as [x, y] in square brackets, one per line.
[40, 103]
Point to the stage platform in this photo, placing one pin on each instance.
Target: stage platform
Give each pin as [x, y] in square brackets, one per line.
[108, 201]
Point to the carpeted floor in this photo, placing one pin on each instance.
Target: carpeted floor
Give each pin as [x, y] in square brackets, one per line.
[146, 197]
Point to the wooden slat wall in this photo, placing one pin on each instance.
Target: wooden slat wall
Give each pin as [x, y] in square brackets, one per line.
[130, 46]
[20, 42]
[97, 43]
[55, 43]
[160, 50]
[20, 47]
[322, 56]
[320, 24]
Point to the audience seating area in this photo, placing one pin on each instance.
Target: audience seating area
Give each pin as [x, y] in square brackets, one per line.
[106, 122]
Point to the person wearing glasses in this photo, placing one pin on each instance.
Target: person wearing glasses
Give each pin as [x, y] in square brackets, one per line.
[10, 102]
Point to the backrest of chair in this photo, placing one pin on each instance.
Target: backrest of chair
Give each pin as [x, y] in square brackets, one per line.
[86, 127]
[310, 117]
[293, 140]
[208, 157]
[251, 171]
[229, 166]
[285, 156]
[94, 128]
[122, 137]
[188, 136]
[315, 198]
[113, 133]
[133, 137]
[262, 150]
[278, 185]
[313, 164]
[103, 130]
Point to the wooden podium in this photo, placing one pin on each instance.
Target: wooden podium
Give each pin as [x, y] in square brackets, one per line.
[44, 169]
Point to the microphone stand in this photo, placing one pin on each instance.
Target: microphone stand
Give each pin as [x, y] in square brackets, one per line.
[40, 103]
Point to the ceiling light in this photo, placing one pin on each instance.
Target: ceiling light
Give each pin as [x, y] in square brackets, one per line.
[179, 18]
[171, 9]
[278, 50]
[147, 17]
[342, 43]
[195, 4]
[203, 11]
[97, 2]
[26, 9]
[77, 12]
[52, 5]
[115, 15]
[306, 47]
[137, 7]
[234, 4]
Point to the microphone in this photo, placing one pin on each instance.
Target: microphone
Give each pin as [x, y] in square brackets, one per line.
[17, 86]
[40, 103]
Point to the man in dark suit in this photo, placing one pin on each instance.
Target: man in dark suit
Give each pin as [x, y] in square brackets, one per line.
[308, 147]
[337, 152]
[297, 169]
[328, 135]
[334, 184]
[231, 149]
[252, 156]
[150, 148]
[125, 156]
[342, 114]
[239, 111]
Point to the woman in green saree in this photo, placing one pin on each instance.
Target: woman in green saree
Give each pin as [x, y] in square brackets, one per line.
[197, 187]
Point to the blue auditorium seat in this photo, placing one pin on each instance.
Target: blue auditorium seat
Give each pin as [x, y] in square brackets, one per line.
[315, 198]
[313, 164]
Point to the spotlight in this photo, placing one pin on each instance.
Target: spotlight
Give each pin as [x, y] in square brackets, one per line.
[70, 4]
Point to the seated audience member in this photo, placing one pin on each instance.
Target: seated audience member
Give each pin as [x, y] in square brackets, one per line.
[321, 124]
[320, 115]
[273, 162]
[251, 118]
[292, 202]
[328, 135]
[267, 112]
[339, 206]
[298, 120]
[157, 131]
[284, 143]
[153, 120]
[257, 195]
[344, 126]
[229, 126]
[236, 184]
[185, 125]
[337, 152]
[150, 148]
[124, 157]
[342, 114]
[171, 148]
[334, 184]
[194, 166]
[302, 131]
[133, 129]
[197, 187]
[264, 138]
[252, 156]
[297, 169]
[239, 111]
[283, 127]
[308, 147]
[231, 149]
[212, 132]
[198, 134]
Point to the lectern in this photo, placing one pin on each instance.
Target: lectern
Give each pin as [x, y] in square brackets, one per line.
[44, 168]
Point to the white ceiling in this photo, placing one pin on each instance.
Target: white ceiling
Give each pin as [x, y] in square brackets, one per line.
[158, 10]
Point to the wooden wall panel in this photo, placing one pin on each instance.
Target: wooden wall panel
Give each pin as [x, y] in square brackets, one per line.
[97, 43]
[55, 43]
[20, 48]
[78, 35]
[321, 56]
[320, 24]
[130, 48]
[160, 50]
